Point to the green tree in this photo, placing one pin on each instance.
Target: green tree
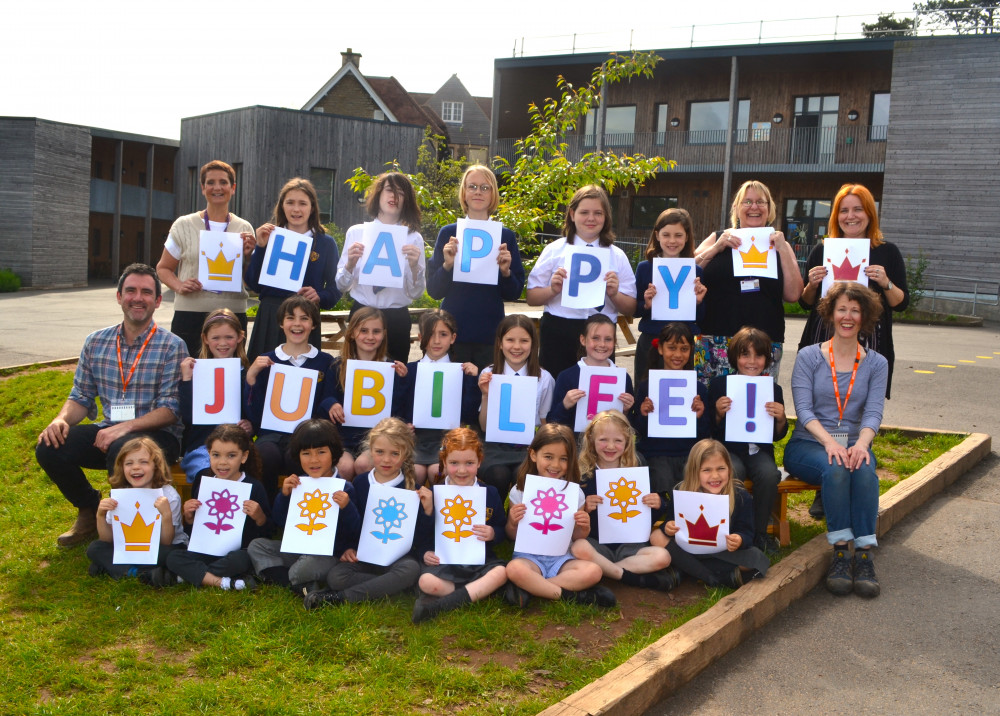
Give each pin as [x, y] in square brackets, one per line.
[538, 185]
[889, 26]
[965, 17]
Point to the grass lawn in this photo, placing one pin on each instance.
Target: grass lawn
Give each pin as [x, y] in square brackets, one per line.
[77, 644]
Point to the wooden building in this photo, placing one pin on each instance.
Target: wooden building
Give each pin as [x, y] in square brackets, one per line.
[807, 117]
[267, 146]
[80, 203]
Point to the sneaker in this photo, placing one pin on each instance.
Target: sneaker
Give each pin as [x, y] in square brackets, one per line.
[839, 578]
[95, 570]
[599, 596]
[663, 580]
[735, 579]
[816, 510]
[316, 599]
[865, 582]
[158, 577]
[515, 596]
[768, 544]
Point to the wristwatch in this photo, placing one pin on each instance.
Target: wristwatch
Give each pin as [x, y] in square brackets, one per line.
[889, 287]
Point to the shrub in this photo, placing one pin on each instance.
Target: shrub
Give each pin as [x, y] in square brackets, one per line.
[915, 281]
[9, 281]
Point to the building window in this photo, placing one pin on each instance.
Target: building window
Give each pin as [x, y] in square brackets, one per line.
[815, 129]
[662, 118]
[451, 112]
[98, 170]
[645, 209]
[95, 242]
[619, 127]
[878, 131]
[323, 180]
[806, 222]
[708, 122]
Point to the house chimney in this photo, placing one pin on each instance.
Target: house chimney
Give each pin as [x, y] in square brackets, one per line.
[351, 56]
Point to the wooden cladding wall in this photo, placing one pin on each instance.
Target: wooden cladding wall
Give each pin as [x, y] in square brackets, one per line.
[274, 145]
[942, 161]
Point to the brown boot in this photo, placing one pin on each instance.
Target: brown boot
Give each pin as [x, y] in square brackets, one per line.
[82, 530]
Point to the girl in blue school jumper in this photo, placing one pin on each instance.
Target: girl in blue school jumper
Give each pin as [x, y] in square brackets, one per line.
[597, 346]
[437, 331]
[296, 315]
[445, 587]
[666, 457]
[364, 339]
[672, 238]
[297, 210]
[221, 337]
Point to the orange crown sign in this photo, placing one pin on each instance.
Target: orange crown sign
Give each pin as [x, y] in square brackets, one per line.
[846, 271]
[754, 258]
[138, 535]
[218, 268]
[699, 531]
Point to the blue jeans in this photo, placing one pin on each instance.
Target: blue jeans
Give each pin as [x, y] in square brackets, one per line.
[850, 497]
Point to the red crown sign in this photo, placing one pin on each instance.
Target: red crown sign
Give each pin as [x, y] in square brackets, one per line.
[699, 531]
[846, 271]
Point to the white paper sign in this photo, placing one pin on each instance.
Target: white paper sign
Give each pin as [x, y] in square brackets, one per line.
[437, 396]
[585, 285]
[547, 527]
[220, 261]
[478, 248]
[136, 525]
[703, 520]
[290, 395]
[622, 517]
[368, 392]
[456, 511]
[755, 256]
[747, 421]
[382, 263]
[845, 260]
[286, 260]
[388, 524]
[672, 393]
[311, 524]
[674, 281]
[602, 386]
[511, 409]
[219, 519]
[215, 391]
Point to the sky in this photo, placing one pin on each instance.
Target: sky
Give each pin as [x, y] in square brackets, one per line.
[140, 66]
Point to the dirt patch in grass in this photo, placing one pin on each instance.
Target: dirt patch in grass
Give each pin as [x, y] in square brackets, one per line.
[65, 368]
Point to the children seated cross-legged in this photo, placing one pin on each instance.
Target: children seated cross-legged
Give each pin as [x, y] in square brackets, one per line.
[608, 443]
[296, 315]
[438, 331]
[316, 446]
[364, 339]
[552, 454]
[233, 458]
[597, 346]
[750, 354]
[449, 586]
[390, 444]
[710, 470]
[222, 336]
[140, 464]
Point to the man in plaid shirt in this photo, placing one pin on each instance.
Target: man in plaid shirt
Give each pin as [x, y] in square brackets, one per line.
[134, 368]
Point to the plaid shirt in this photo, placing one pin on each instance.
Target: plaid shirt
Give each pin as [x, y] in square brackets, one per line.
[153, 385]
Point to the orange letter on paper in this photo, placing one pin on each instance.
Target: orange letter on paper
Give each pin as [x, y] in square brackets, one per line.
[361, 392]
[300, 410]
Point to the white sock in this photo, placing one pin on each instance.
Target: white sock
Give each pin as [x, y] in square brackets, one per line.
[239, 585]
[225, 583]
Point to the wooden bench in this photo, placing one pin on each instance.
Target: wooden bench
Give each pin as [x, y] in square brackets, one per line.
[334, 326]
[779, 510]
[181, 483]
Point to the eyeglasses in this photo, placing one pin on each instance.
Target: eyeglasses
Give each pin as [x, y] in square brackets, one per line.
[473, 188]
[759, 202]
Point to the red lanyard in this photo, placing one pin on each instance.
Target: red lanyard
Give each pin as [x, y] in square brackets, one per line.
[135, 363]
[850, 387]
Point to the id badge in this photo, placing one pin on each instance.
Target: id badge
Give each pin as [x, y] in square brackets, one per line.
[840, 437]
[120, 412]
[749, 285]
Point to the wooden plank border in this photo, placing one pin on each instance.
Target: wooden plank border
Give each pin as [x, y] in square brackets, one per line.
[658, 670]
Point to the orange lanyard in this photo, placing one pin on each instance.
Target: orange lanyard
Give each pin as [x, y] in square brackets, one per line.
[135, 363]
[850, 387]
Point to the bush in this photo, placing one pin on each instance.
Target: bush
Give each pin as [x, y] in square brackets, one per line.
[9, 281]
[915, 280]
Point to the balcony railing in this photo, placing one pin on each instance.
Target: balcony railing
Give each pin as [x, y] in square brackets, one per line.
[845, 148]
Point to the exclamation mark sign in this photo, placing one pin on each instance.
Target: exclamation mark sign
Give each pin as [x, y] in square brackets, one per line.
[751, 406]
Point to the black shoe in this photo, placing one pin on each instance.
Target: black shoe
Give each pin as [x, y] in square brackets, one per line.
[428, 608]
[768, 544]
[599, 596]
[249, 583]
[734, 579]
[840, 577]
[865, 582]
[515, 596]
[314, 600]
[158, 577]
[816, 510]
[95, 570]
[663, 580]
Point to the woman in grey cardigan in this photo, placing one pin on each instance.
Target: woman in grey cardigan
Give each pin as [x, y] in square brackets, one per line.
[839, 392]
